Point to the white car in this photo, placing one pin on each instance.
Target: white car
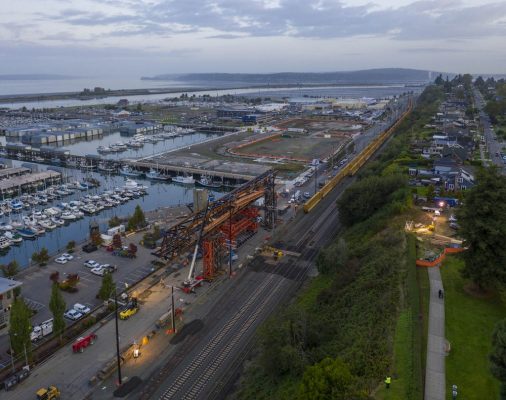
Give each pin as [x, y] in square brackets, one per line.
[73, 314]
[91, 264]
[68, 256]
[61, 260]
[80, 308]
[98, 271]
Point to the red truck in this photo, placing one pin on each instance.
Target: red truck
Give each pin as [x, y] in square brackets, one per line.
[83, 342]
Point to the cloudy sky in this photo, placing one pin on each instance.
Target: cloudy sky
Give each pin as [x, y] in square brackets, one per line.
[146, 37]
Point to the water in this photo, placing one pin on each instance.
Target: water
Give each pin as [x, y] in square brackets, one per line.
[159, 195]
[335, 91]
[36, 86]
[90, 146]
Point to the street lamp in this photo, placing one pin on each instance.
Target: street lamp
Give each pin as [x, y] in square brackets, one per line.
[118, 357]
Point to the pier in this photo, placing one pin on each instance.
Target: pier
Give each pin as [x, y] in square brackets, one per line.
[26, 182]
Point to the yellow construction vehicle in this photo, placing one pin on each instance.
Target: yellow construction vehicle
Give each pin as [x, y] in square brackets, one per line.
[131, 309]
[49, 393]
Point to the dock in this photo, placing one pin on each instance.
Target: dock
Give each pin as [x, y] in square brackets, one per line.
[29, 181]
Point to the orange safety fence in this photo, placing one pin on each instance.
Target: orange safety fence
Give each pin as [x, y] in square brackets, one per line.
[440, 259]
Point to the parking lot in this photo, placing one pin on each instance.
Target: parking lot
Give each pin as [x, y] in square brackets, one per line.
[36, 287]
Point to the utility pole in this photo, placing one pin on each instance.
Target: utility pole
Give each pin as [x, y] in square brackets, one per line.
[173, 311]
[230, 243]
[315, 178]
[117, 336]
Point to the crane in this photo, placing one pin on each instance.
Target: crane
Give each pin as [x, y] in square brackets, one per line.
[191, 282]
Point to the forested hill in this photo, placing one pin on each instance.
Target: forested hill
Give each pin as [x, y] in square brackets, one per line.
[369, 76]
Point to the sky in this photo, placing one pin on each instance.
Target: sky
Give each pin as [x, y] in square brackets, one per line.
[149, 37]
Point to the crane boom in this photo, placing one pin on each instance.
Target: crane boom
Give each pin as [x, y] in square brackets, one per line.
[194, 258]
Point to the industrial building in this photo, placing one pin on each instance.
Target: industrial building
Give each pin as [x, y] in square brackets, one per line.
[7, 287]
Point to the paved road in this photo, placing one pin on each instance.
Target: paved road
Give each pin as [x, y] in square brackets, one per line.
[435, 367]
[493, 143]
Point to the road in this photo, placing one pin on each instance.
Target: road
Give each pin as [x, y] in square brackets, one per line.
[493, 143]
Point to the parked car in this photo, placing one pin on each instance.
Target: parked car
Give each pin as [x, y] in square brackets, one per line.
[131, 309]
[72, 314]
[98, 271]
[61, 260]
[68, 256]
[89, 248]
[109, 267]
[81, 308]
[91, 264]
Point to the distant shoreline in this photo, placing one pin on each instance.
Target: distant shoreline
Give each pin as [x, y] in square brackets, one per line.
[22, 98]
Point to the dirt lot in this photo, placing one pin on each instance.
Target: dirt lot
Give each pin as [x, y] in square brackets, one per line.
[303, 147]
[316, 125]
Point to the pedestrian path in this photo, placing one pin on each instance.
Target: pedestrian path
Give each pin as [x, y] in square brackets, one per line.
[435, 368]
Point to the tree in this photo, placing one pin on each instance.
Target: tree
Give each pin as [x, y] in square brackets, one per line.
[365, 197]
[498, 355]
[137, 220]
[107, 287]
[71, 245]
[96, 239]
[42, 257]
[116, 241]
[482, 220]
[329, 379]
[57, 306]
[431, 193]
[20, 327]
[114, 221]
[10, 270]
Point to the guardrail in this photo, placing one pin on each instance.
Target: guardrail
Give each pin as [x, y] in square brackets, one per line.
[353, 166]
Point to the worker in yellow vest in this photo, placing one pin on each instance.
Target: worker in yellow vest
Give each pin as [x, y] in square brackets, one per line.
[387, 382]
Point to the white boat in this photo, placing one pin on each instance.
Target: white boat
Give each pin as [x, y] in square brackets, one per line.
[4, 226]
[47, 224]
[134, 144]
[117, 147]
[131, 184]
[208, 182]
[4, 243]
[57, 221]
[126, 170]
[104, 167]
[103, 149]
[155, 175]
[51, 212]
[184, 179]
[68, 216]
[13, 237]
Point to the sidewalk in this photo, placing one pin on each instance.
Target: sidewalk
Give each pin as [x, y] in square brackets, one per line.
[435, 368]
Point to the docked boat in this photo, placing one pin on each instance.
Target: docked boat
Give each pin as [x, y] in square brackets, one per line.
[134, 144]
[57, 221]
[126, 170]
[47, 224]
[208, 182]
[26, 233]
[184, 179]
[68, 216]
[14, 237]
[16, 205]
[4, 243]
[4, 226]
[103, 149]
[104, 167]
[118, 147]
[155, 175]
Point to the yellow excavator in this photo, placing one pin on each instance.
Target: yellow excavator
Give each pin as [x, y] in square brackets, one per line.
[48, 393]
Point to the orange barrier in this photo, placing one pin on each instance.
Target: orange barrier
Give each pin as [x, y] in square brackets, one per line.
[440, 259]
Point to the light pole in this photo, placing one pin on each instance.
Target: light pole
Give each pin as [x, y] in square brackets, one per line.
[118, 357]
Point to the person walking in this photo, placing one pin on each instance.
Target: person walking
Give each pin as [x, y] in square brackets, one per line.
[387, 382]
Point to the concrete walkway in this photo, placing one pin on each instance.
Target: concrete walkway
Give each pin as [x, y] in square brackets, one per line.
[435, 368]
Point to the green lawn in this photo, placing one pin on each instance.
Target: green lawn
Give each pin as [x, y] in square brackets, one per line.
[469, 325]
[402, 368]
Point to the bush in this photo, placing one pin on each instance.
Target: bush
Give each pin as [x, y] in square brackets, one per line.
[71, 246]
[365, 197]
